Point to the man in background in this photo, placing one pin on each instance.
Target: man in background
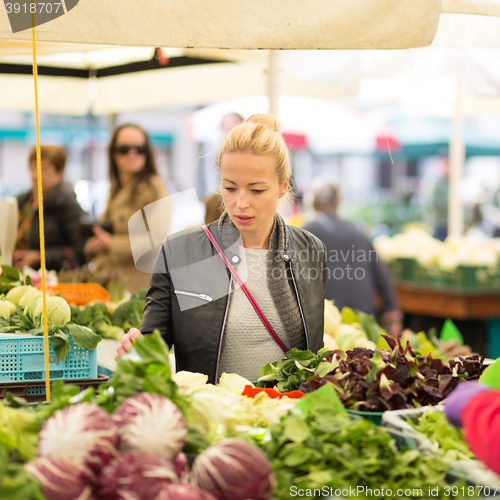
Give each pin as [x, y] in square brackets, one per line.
[437, 205]
[355, 273]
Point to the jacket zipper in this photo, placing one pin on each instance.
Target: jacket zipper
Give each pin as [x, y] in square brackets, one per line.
[223, 327]
[300, 305]
[202, 296]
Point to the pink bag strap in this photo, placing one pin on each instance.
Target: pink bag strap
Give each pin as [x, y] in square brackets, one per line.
[245, 289]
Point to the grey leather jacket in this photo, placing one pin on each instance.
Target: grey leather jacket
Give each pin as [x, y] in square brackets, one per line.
[190, 289]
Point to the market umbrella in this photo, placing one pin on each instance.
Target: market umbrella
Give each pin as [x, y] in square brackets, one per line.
[321, 126]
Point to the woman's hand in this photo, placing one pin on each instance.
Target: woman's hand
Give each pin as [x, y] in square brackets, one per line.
[127, 341]
[98, 243]
[391, 322]
[26, 258]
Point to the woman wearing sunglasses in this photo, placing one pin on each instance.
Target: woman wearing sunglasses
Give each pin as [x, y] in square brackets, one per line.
[134, 184]
[198, 296]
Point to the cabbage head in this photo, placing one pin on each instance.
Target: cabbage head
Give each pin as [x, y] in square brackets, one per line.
[333, 319]
[58, 311]
[15, 294]
[4, 310]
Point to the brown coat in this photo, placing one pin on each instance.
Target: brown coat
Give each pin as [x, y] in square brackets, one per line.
[118, 211]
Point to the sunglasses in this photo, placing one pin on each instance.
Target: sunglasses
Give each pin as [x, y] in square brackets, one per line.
[125, 148]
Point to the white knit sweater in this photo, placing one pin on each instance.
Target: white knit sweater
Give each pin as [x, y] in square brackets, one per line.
[247, 345]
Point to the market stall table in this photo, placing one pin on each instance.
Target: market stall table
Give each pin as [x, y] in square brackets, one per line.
[454, 304]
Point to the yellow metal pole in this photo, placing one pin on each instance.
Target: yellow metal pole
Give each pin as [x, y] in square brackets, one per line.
[40, 214]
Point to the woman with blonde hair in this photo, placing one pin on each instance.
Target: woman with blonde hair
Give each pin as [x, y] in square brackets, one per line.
[198, 292]
[134, 184]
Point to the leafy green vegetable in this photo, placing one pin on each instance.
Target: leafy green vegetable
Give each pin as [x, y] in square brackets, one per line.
[18, 322]
[75, 314]
[145, 368]
[62, 395]
[15, 482]
[287, 374]
[102, 325]
[490, 376]
[14, 324]
[438, 429]
[378, 380]
[97, 318]
[330, 450]
[129, 314]
[140, 294]
[84, 317]
[367, 322]
[82, 336]
[19, 431]
[324, 397]
[60, 343]
[9, 278]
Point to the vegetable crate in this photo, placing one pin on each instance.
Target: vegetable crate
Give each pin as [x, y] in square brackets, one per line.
[78, 293]
[22, 359]
[372, 416]
[403, 269]
[35, 391]
[104, 371]
[463, 279]
[473, 471]
[398, 420]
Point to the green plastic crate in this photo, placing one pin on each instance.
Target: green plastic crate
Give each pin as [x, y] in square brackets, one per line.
[372, 416]
[404, 269]
[475, 278]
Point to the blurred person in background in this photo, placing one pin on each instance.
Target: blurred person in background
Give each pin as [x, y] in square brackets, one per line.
[61, 211]
[437, 206]
[134, 184]
[356, 275]
[214, 207]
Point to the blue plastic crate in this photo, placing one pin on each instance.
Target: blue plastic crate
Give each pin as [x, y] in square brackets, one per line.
[22, 359]
[104, 371]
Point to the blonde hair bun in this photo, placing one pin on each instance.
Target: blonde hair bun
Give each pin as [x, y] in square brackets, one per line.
[268, 121]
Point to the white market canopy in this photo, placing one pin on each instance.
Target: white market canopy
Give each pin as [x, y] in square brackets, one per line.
[260, 24]
[120, 79]
[239, 24]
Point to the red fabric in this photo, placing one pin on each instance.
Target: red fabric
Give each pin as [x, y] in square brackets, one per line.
[387, 143]
[481, 424]
[295, 141]
[251, 392]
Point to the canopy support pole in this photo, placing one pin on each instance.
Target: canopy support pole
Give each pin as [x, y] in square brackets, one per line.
[272, 83]
[457, 161]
